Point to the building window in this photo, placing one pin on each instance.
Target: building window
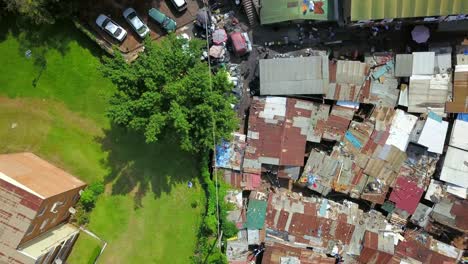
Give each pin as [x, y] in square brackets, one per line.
[41, 212]
[44, 223]
[75, 197]
[30, 229]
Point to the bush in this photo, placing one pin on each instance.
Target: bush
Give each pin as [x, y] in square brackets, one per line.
[207, 251]
[81, 216]
[229, 229]
[90, 194]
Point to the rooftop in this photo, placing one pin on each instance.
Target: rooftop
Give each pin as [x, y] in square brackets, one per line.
[378, 9]
[45, 242]
[277, 132]
[300, 75]
[275, 11]
[36, 175]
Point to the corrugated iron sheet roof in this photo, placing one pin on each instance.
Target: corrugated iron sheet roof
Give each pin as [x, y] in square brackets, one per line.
[318, 120]
[455, 169]
[276, 11]
[381, 9]
[300, 75]
[428, 93]
[338, 122]
[256, 213]
[406, 195]
[404, 65]
[423, 63]
[460, 91]
[383, 84]
[318, 223]
[277, 253]
[277, 133]
[347, 80]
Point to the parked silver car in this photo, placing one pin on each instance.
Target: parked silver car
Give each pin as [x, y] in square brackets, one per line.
[112, 28]
[135, 21]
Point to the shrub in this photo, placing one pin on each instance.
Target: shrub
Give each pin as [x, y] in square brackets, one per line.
[90, 195]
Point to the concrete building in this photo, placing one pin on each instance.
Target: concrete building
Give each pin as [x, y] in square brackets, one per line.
[36, 200]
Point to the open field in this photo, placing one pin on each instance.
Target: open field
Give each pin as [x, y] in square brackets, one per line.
[53, 104]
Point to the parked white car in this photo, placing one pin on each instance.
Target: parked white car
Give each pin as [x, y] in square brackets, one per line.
[180, 5]
[108, 25]
[135, 21]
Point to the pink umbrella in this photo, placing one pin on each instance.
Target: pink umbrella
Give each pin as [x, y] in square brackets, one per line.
[420, 34]
[219, 36]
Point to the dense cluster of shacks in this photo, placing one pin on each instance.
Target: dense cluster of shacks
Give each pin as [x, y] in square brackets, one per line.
[391, 131]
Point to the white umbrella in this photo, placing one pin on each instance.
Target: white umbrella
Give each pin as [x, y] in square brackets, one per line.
[420, 34]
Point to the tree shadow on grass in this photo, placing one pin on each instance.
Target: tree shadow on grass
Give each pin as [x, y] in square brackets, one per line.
[35, 41]
[138, 167]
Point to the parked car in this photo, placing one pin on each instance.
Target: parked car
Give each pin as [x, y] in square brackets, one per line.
[109, 26]
[180, 5]
[134, 20]
[166, 22]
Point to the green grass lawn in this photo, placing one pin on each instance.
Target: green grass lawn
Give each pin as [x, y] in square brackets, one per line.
[58, 112]
[91, 248]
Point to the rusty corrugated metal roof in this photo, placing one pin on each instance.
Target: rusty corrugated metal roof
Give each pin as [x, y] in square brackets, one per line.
[274, 252]
[338, 122]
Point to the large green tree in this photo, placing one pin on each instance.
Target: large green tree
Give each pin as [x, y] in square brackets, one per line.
[40, 11]
[168, 90]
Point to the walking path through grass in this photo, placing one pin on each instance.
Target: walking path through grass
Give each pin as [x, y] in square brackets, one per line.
[53, 103]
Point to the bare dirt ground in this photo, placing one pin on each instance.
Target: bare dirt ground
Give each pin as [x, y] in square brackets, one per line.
[114, 9]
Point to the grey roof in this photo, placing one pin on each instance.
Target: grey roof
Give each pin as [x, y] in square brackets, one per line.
[302, 75]
[423, 62]
[443, 62]
[404, 65]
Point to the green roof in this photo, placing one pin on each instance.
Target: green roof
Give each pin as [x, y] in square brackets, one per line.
[381, 9]
[256, 214]
[275, 11]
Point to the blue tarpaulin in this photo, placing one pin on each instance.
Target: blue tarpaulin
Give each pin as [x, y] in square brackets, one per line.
[463, 117]
[351, 138]
[223, 154]
[323, 208]
[435, 116]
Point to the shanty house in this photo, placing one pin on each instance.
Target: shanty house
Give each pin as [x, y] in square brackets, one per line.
[277, 133]
[36, 200]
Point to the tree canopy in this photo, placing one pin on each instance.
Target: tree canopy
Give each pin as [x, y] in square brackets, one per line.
[40, 11]
[167, 91]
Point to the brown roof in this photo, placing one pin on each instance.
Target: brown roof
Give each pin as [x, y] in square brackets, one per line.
[461, 213]
[37, 174]
[418, 248]
[277, 132]
[275, 251]
[460, 92]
